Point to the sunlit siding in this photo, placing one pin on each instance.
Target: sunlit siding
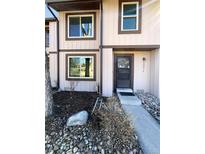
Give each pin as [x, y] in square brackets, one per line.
[77, 44]
[150, 28]
[53, 69]
[52, 37]
[154, 76]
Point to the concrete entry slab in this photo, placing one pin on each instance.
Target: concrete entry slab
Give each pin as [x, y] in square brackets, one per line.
[128, 100]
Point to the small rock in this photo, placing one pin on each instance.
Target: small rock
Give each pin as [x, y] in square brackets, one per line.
[99, 147]
[75, 149]
[69, 151]
[55, 147]
[135, 151]
[86, 142]
[95, 148]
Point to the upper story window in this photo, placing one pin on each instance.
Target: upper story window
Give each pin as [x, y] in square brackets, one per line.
[130, 16]
[80, 26]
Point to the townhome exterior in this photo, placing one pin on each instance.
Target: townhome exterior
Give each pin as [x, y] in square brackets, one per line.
[101, 45]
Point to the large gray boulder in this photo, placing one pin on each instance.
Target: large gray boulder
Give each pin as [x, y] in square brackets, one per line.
[79, 118]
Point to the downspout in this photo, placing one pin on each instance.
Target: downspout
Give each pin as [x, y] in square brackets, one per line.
[101, 46]
[57, 44]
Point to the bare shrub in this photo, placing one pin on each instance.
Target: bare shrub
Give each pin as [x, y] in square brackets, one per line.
[73, 85]
[116, 125]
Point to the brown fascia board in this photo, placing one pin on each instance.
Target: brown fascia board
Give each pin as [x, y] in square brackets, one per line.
[70, 1]
[49, 19]
[71, 5]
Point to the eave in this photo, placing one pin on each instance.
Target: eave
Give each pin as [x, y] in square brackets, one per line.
[73, 5]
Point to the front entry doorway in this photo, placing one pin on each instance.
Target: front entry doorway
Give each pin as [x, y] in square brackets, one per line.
[123, 71]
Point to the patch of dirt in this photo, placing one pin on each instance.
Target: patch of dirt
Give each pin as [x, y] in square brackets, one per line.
[69, 103]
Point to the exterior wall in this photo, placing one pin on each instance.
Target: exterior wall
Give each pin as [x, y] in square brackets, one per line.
[154, 76]
[150, 28]
[80, 85]
[107, 87]
[77, 44]
[53, 69]
[150, 35]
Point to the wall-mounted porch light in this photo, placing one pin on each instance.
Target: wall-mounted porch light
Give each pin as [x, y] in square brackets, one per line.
[143, 59]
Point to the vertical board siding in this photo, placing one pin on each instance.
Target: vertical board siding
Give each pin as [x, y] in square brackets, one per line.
[80, 85]
[52, 36]
[154, 82]
[107, 87]
[53, 69]
[150, 33]
[77, 44]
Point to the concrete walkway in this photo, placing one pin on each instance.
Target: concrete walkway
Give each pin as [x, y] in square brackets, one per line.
[147, 128]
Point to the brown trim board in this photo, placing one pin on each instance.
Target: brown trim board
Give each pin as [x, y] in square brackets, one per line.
[79, 50]
[79, 13]
[132, 47]
[53, 53]
[120, 16]
[79, 79]
[100, 47]
[73, 5]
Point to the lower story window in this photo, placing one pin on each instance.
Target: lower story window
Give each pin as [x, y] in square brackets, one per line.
[80, 67]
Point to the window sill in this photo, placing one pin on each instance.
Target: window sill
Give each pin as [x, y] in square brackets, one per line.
[80, 79]
[129, 32]
[81, 38]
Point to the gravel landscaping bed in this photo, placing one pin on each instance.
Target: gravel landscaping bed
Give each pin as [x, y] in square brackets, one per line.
[151, 103]
[107, 131]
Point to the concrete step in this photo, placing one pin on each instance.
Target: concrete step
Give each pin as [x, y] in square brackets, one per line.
[129, 100]
[128, 90]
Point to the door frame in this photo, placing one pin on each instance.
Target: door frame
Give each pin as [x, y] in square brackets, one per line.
[115, 70]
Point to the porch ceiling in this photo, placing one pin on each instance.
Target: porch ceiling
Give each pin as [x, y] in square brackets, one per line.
[71, 5]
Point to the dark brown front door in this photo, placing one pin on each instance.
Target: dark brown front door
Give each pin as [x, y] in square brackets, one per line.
[123, 71]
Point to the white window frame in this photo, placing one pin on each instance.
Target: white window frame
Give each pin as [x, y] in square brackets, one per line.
[136, 16]
[84, 15]
[68, 71]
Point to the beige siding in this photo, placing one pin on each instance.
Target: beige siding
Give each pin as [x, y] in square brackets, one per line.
[77, 44]
[150, 25]
[154, 76]
[52, 37]
[107, 72]
[53, 69]
[80, 85]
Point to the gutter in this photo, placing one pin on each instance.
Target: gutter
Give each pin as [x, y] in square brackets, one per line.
[101, 46]
[58, 57]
